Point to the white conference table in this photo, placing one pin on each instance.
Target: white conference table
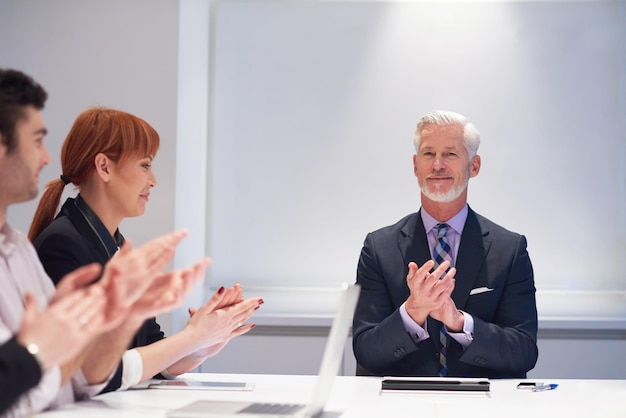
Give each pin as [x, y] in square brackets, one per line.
[361, 397]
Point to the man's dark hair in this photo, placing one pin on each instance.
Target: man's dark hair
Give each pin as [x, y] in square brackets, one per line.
[17, 91]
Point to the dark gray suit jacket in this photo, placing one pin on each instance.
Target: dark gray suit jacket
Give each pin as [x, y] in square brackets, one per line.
[505, 317]
[19, 372]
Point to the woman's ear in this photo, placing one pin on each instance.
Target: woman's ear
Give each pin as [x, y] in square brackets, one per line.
[104, 167]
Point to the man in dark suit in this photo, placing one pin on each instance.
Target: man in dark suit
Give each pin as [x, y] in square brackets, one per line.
[445, 291]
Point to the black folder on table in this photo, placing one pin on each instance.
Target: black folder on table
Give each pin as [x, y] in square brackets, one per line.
[450, 384]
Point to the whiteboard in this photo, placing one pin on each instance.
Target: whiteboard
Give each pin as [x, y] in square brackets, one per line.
[314, 105]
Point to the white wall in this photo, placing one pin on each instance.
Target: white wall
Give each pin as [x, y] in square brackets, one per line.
[116, 53]
[316, 104]
[113, 53]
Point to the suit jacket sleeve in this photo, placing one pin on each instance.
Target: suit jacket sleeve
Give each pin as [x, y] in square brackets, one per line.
[381, 343]
[62, 253]
[505, 318]
[19, 372]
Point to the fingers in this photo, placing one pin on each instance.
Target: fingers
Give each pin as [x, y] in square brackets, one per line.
[428, 290]
[85, 306]
[88, 308]
[137, 284]
[412, 271]
[211, 304]
[441, 269]
[416, 272]
[142, 265]
[420, 281]
[30, 309]
[76, 317]
[165, 293]
[233, 295]
[451, 273]
[192, 275]
[241, 312]
[77, 279]
[443, 287]
[160, 251]
[243, 329]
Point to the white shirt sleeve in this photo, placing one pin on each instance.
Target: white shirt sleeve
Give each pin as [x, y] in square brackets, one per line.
[83, 390]
[132, 369]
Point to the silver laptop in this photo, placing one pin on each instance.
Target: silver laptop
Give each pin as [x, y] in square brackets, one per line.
[333, 354]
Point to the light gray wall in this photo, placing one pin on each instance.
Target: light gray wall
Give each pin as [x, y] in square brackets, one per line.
[115, 53]
[316, 104]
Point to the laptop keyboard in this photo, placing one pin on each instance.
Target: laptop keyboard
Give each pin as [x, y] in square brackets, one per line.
[272, 408]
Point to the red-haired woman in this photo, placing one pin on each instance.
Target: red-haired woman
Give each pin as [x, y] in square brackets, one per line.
[108, 156]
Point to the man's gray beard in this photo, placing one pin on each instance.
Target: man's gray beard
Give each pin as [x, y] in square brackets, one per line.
[448, 196]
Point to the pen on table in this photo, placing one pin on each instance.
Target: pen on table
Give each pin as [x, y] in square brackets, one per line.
[541, 388]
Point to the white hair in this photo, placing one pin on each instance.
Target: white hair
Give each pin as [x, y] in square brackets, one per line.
[471, 136]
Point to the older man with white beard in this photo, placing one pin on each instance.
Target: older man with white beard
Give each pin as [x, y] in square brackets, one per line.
[445, 291]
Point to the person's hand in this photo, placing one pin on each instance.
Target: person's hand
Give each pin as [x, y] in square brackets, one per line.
[167, 291]
[78, 279]
[428, 292]
[231, 296]
[135, 269]
[65, 327]
[216, 322]
[447, 313]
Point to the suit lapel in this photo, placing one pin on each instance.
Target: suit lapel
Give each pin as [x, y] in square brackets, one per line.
[83, 228]
[413, 242]
[473, 249]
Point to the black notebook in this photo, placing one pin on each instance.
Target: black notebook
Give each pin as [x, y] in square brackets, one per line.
[452, 384]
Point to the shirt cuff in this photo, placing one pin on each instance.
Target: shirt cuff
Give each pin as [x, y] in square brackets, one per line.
[465, 337]
[167, 375]
[413, 328]
[132, 369]
[82, 388]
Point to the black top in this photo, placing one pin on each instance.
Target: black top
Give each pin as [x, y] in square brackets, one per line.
[19, 372]
[76, 238]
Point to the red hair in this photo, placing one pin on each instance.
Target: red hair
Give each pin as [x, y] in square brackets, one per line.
[116, 134]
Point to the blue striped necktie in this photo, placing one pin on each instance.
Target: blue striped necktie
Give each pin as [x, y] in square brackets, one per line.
[442, 246]
[442, 252]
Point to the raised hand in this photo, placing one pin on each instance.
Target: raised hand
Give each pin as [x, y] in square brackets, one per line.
[447, 313]
[133, 270]
[78, 279]
[167, 291]
[218, 320]
[428, 292]
[65, 327]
